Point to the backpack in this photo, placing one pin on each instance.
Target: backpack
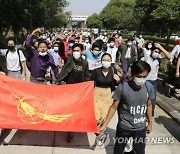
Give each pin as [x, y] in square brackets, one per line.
[125, 89]
[18, 56]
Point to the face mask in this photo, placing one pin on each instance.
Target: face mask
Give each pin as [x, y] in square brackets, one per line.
[116, 36]
[129, 43]
[139, 81]
[96, 53]
[11, 48]
[106, 64]
[140, 36]
[149, 46]
[42, 54]
[56, 48]
[43, 37]
[71, 44]
[87, 41]
[155, 55]
[111, 44]
[76, 55]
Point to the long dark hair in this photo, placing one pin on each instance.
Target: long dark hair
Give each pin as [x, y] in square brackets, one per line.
[105, 55]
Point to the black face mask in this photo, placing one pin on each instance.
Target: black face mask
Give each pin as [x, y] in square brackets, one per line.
[11, 48]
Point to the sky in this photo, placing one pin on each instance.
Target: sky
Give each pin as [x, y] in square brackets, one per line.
[86, 7]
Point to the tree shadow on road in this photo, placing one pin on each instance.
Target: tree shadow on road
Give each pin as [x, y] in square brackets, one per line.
[171, 126]
[45, 138]
[54, 139]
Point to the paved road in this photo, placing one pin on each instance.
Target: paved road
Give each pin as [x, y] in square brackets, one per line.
[37, 142]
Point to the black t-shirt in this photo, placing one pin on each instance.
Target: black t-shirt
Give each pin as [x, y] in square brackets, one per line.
[75, 76]
[103, 81]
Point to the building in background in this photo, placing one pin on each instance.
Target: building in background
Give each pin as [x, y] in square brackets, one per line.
[77, 21]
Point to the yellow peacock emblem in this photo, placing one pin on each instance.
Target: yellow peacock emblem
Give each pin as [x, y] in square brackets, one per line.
[37, 111]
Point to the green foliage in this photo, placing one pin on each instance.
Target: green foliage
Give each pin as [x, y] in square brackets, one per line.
[158, 39]
[94, 21]
[158, 16]
[165, 66]
[29, 14]
[118, 14]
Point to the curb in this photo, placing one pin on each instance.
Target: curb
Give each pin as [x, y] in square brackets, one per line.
[174, 114]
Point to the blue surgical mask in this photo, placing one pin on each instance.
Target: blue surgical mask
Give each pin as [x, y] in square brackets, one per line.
[71, 44]
[96, 52]
[76, 55]
[155, 55]
[106, 64]
[111, 44]
[139, 81]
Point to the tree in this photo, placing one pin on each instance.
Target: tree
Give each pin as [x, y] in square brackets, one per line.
[118, 14]
[94, 21]
[159, 16]
[17, 15]
[167, 15]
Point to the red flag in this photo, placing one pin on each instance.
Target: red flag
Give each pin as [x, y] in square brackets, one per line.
[33, 106]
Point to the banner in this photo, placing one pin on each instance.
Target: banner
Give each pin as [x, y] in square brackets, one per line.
[33, 106]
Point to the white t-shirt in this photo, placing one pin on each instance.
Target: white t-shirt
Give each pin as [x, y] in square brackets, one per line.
[140, 42]
[112, 52]
[175, 52]
[12, 59]
[147, 53]
[153, 74]
[128, 53]
[87, 46]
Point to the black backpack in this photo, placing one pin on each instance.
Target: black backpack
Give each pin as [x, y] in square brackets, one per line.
[3, 65]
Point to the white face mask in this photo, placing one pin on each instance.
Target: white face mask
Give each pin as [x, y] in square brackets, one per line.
[129, 43]
[76, 55]
[149, 46]
[155, 55]
[111, 44]
[96, 52]
[43, 37]
[56, 48]
[42, 54]
[87, 41]
[140, 36]
[106, 64]
[71, 44]
[139, 81]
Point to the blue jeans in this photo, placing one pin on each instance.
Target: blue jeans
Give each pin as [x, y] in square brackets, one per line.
[122, 136]
[154, 83]
[125, 67]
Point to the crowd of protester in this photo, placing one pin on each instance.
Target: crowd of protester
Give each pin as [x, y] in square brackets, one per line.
[127, 67]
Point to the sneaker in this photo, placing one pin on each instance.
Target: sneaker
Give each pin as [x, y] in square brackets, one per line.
[129, 146]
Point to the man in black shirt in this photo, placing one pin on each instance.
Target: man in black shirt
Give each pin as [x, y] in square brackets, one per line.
[75, 69]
